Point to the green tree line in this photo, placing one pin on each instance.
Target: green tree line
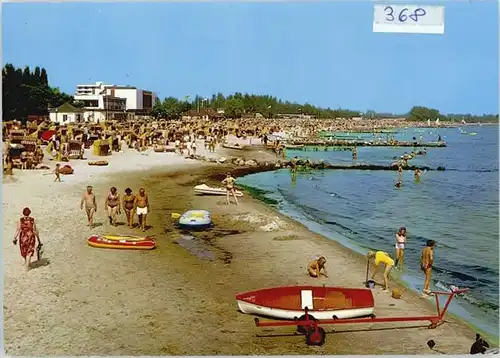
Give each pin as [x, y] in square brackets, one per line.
[27, 92]
[420, 113]
[238, 104]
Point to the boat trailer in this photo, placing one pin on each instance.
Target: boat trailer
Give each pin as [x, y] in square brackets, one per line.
[316, 335]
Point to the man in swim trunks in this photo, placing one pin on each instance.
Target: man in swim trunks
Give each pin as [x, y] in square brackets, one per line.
[382, 257]
[426, 262]
[90, 205]
[128, 206]
[141, 205]
[314, 269]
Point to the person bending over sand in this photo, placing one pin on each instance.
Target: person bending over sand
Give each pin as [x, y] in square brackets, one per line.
[128, 206]
[90, 205]
[382, 257]
[141, 206]
[112, 205]
[229, 182]
[426, 262]
[314, 269]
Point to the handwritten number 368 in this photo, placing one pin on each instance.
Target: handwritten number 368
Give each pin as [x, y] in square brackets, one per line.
[389, 14]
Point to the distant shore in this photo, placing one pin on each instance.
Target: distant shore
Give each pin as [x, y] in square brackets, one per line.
[104, 302]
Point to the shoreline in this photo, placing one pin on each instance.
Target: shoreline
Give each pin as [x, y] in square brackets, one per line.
[119, 302]
[408, 284]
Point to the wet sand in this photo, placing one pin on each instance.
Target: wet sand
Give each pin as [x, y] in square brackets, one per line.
[179, 298]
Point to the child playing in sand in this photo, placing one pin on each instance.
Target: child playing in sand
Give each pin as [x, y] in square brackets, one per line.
[314, 269]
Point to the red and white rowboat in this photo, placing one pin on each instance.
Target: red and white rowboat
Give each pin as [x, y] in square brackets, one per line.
[322, 302]
[102, 242]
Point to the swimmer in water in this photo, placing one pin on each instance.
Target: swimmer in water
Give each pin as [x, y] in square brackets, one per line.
[398, 184]
[417, 174]
[314, 269]
[293, 165]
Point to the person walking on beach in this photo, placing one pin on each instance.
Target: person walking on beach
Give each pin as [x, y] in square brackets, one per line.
[27, 233]
[128, 206]
[314, 269]
[400, 247]
[382, 257]
[229, 182]
[426, 262]
[141, 206]
[112, 205]
[57, 173]
[90, 205]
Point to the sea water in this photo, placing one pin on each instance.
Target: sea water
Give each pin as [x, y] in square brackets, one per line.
[457, 207]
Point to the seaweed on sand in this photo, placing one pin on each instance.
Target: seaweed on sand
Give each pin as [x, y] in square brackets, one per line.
[259, 194]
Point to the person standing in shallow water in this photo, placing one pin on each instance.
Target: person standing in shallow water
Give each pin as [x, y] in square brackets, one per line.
[426, 262]
[27, 233]
[128, 206]
[400, 248]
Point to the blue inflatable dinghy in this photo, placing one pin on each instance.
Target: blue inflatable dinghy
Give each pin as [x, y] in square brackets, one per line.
[195, 219]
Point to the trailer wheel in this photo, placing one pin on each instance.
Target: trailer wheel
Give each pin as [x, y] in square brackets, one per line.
[303, 328]
[315, 337]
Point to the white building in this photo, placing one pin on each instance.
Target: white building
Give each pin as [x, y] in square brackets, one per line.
[66, 114]
[113, 99]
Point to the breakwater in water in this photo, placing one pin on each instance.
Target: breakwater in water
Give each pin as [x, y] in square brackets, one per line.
[241, 167]
[363, 143]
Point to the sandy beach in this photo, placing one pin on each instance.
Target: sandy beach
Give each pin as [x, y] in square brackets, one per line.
[171, 301]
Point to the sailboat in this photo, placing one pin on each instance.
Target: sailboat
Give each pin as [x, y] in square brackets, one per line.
[428, 122]
[437, 122]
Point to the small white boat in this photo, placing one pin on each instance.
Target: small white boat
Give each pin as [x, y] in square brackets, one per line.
[322, 302]
[233, 146]
[204, 189]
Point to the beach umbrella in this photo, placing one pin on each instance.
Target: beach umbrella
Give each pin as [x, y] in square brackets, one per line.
[47, 135]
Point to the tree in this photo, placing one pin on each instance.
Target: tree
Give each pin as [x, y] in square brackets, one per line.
[171, 108]
[158, 111]
[28, 92]
[234, 108]
[421, 114]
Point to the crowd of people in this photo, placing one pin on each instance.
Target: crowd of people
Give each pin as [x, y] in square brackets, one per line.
[113, 203]
[381, 258]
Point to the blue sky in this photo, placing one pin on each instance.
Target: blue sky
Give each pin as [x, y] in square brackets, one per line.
[323, 53]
